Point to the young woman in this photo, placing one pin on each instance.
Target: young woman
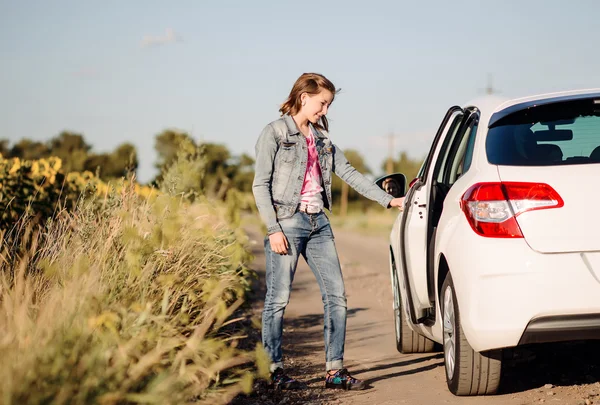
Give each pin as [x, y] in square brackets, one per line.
[292, 185]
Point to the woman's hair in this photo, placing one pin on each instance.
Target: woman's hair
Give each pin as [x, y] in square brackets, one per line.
[311, 83]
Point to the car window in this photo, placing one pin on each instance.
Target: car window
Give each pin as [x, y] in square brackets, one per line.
[567, 133]
[454, 168]
[470, 146]
[451, 120]
[464, 154]
[445, 149]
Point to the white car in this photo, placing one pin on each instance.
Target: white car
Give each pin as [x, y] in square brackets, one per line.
[499, 242]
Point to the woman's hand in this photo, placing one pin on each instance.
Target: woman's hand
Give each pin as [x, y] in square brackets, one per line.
[398, 203]
[279, 243]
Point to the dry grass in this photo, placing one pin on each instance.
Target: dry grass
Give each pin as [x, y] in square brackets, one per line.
[125, 301]
[377, 221]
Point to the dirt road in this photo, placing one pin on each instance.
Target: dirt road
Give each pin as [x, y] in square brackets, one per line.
[552, 374]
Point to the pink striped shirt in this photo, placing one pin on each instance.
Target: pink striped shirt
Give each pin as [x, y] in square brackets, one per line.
[311, 187]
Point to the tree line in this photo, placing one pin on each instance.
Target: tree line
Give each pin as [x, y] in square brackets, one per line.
[221, 170]
[76, 155]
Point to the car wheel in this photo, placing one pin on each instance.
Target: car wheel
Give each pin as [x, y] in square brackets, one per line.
[407, 341]
[467, 371]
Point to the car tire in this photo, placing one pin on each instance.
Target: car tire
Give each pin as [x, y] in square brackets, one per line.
[467, 371]
[407, 341]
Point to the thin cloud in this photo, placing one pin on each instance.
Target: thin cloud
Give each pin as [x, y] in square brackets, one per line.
[170, 37]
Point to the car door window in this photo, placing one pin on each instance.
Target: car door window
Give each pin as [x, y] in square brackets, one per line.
[446, 149]
[470, 146]
[464, 154]
[453, 115]
[456, 160]
[438, 190]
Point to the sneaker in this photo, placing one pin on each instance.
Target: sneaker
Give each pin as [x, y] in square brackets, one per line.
[280, 381]
[343, 380]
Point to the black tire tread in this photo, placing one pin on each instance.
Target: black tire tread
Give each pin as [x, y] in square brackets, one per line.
[412, 342]
[478, 373]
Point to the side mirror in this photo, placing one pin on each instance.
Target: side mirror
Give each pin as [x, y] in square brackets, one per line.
[393, 184]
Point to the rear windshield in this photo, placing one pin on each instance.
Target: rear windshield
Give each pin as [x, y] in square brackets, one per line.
[557, 134]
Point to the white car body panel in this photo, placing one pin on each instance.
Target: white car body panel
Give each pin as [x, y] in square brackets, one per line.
[505, 287]
[503, 284]
[416, 248]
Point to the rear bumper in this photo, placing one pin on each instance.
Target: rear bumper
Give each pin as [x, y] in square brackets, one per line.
[562, 328]
[509, 294]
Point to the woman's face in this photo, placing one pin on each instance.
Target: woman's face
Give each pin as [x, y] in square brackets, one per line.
[316, 105]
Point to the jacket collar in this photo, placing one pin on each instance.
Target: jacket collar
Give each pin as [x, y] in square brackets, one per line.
[293, 129]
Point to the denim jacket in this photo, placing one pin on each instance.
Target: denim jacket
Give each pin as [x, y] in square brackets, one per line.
[281, 158]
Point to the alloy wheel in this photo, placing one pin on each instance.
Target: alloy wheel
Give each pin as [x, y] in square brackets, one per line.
[449, 332]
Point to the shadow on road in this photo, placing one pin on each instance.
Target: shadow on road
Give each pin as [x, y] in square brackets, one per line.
[301, 339]
[403, 363]
[559, 364]
[406, 372]
[310, 320]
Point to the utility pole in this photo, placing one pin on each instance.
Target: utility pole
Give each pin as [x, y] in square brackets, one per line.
[389, 167]
[489, 90]
[344, 200]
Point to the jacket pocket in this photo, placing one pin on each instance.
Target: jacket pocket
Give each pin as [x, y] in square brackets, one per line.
[287, 151]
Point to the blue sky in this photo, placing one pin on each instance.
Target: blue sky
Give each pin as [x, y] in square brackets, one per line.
[121, 71]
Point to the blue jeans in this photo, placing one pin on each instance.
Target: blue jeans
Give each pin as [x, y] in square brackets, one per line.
[308, 235]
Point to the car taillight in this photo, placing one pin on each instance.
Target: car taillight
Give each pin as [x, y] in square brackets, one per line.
[492, 208]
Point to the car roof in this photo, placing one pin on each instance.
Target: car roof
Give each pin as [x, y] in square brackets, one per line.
[493, 107]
